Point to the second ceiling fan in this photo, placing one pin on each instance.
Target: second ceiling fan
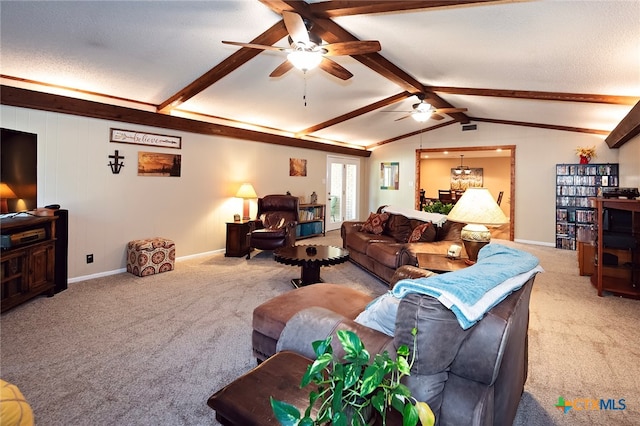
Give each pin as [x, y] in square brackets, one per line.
[307, 51]
[423, 111]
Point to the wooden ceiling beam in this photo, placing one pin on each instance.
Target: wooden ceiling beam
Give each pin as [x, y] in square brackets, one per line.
[541, 126]
[355, 113]
[332, 9]
[627, 129]
[331, 32]
[274, 34]
[407, 135]
[24, 98]
[535, 95]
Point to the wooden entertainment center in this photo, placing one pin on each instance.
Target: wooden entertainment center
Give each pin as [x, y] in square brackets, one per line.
[28, 258]
[617, 251]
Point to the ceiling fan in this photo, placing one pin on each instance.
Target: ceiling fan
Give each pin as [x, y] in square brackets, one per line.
[423, 111]
[307, 51]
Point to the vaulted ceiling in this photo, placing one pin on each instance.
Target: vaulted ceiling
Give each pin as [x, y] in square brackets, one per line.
[566, 65]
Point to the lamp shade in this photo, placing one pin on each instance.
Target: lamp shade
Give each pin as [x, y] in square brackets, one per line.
[246, 191]
[6, 192]
[477, 206]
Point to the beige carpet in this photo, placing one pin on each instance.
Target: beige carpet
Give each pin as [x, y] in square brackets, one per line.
[150, 351]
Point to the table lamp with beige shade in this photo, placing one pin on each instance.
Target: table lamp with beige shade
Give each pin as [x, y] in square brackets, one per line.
[5, 194]
[246, 192]
[477, 208]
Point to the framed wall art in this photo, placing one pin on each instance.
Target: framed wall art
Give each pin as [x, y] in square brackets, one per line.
[389, 175]
[141, 138]
[297, 167]
[463, 181]
[159, 164]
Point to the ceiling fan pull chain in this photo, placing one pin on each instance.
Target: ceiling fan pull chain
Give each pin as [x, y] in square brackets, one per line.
[304, 93]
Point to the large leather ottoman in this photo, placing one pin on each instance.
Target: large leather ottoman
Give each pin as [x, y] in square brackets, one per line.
[245, 401]
[270, 318]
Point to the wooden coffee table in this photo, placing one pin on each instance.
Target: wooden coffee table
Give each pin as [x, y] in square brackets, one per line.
[440, 262]
[310, 258]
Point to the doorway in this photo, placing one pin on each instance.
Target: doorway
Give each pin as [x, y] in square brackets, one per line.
[344, 186]
[471, 154]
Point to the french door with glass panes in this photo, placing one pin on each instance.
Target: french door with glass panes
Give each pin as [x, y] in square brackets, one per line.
[343, 184]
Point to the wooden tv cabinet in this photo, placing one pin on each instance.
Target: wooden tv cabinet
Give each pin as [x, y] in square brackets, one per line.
[622, 278]
[28, 266]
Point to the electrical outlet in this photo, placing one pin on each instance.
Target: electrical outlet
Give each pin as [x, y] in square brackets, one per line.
[90, 258]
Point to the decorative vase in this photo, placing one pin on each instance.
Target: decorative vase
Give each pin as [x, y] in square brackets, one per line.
[584, 160]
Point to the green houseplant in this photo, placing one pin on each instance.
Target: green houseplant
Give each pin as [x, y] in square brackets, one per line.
[438, 207]
[346, 391]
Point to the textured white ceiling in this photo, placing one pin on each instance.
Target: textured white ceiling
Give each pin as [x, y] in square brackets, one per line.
[146, 51]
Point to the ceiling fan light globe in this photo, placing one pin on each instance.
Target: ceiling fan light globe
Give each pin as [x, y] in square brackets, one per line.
[420, 116]
[305, 60]
[424, 107]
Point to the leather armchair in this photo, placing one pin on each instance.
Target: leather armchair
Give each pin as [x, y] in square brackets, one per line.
[276, 223]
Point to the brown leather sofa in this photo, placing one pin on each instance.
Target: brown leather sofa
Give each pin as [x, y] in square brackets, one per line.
[276, 224]
[382, 254]
[469, 377]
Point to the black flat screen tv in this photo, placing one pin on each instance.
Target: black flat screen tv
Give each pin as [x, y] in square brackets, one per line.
[19, 169]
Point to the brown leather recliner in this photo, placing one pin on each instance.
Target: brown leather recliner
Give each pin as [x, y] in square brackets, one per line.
[276, 223]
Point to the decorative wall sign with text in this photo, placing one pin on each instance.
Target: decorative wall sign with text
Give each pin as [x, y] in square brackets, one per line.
[140, 138]
[159, 164]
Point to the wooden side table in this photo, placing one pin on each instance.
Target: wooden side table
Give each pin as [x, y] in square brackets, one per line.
[440, 262]
[237, 239]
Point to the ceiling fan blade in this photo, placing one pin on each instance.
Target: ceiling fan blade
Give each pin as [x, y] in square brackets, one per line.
[335, 69]
[352, 47]
[450, 110]
[282, 69]
[296, 27]
[435, 116]
[257, 46]
[402, 118]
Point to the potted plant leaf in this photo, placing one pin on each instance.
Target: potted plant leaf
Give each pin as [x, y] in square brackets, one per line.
[346, 391]
[438, 207]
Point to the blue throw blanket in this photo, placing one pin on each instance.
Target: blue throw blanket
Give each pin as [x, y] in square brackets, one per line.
[473, 291]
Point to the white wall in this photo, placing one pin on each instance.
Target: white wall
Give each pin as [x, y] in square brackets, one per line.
[537, 153]
[107, 210]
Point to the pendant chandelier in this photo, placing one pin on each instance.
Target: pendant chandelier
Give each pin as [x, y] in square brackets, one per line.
[462, 169]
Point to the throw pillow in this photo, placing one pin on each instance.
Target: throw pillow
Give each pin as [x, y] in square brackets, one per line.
[380, 314]
[375, 223]
[398, 227]
[424, 233]
[14, 409]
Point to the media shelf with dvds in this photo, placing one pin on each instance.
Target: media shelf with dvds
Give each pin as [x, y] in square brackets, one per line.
[576, 184]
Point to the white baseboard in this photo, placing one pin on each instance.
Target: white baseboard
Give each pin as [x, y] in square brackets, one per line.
[119, 271]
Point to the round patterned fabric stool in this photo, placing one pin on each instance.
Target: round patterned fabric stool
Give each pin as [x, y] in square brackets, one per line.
[150, 256]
